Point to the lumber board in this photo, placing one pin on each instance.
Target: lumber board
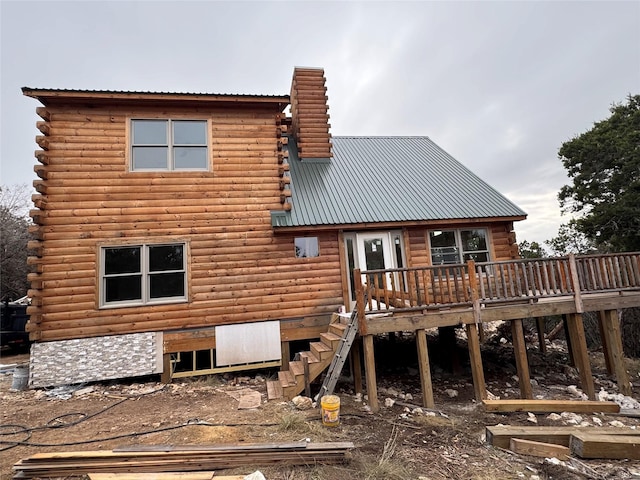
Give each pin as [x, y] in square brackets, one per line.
[538, 449]
[587, 445]
[162, 476]
[500, 435]
[542, 406]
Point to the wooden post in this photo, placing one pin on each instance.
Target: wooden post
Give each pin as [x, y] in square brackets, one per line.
[286, 355]
[540, 325]
[165, 377]
[476, 362]
[616, 354]
[602, 320]
[567, 338]
[370, 372]
[360, 304]
[575, 282]
[425, 369]
[522, 364]
[580, 353]
[356, 365]
[307, 382]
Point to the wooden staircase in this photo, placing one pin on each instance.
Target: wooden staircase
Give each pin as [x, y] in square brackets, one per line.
[291, 382]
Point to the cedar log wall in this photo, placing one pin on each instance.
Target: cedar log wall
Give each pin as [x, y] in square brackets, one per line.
[238, 270]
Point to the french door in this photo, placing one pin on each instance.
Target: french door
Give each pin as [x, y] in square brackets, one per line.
[372, 251]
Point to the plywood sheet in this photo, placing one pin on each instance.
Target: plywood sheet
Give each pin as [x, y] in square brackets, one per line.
[247, 343]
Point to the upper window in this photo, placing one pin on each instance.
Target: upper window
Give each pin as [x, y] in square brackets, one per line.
[458, 246]
[169, 145]
[142, 274]
[306, 247]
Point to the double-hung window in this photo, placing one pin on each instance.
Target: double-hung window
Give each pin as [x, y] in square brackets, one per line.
[142, 274]
[458, 246]
[169, 145]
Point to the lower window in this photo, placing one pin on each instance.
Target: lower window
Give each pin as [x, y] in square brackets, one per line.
[142, 274]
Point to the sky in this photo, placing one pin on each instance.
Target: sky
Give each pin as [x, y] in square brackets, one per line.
[498, 85]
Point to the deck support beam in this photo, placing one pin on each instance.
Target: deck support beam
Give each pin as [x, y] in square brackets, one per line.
[425, 369]
[540, 326]
[165, 376]
[356, 365]
[522, 363]
[477, 372]
[580, 353]
[602, 320]
[286, 355]
[370, 372]
[612, 338]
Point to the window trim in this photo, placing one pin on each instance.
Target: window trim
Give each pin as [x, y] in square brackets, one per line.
[306, 238]
[145, 274]
[459, 244]
[170, 144]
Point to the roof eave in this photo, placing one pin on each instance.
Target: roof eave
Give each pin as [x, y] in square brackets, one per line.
[99, 97]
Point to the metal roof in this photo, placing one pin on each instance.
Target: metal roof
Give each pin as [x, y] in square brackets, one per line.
[387, 179]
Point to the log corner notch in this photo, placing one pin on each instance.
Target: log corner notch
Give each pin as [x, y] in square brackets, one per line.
[309, 113]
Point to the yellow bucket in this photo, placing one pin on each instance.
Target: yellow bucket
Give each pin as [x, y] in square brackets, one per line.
[330, 407]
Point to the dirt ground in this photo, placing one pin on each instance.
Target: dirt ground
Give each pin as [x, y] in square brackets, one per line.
[399, 442]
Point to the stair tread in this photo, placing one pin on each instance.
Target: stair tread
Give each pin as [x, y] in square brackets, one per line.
[296, 368]
[286, 378]
[330, 336]
[337, 328]
[274, 390]
[310, 356]
[322, 347]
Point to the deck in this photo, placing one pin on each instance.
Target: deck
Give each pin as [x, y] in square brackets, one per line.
[417, 298]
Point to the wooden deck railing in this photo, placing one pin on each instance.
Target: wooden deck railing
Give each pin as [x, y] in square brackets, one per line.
[524, 280]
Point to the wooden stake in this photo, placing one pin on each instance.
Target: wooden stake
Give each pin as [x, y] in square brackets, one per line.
[580, 353]
[370, 372]
[476, 362]
[538, 449]
[425, 369]
[522, 364]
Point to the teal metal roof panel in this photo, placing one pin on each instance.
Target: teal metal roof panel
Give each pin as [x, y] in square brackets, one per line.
[388, 179]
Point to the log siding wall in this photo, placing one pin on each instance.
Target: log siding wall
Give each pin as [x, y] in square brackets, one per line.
[239, 270]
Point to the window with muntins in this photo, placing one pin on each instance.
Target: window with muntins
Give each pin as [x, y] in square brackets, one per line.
[159, 144]
[142, 274]
[458, 246]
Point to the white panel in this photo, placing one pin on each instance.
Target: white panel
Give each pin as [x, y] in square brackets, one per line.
[247, 343]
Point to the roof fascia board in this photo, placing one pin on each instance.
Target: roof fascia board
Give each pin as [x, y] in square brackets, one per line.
[49, 96]
[453, 223]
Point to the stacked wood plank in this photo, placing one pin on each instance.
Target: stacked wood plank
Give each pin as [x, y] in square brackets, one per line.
[309, 113]
[180, 459]
[584, 442]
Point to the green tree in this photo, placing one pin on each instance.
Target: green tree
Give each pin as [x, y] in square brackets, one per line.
[570, 240]
[604, 164]
[14, 236]
[531, 250]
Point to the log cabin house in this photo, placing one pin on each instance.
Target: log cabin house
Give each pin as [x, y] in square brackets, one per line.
[187, 234]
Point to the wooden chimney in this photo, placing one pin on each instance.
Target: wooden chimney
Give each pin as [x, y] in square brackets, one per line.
[309, 113]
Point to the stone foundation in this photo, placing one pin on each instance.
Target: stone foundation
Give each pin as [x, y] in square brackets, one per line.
[94, 359]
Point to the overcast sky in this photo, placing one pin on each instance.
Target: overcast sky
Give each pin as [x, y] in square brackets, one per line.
[499, 85]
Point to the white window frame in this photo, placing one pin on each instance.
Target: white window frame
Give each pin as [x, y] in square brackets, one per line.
[145, 276]
[458, 239]
[170, 145]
